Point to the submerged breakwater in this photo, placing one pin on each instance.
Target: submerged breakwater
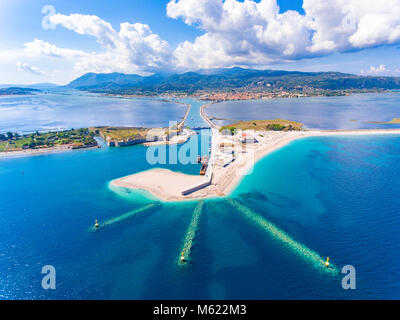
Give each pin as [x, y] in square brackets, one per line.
[185, 255]
[125, 216]
[282, 236]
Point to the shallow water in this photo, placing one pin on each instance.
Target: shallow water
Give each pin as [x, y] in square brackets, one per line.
[347, 112]
[60, 111]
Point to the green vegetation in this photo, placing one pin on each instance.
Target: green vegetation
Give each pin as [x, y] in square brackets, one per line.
[275, 127]
[235, 80]
[122, 133]
[127, 136]
[393, 121]
[17, 91]
[81, 138]
[260, 125]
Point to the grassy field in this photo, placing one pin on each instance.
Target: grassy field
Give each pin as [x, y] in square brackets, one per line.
[124, 133]
[76, 138]
[259, 125]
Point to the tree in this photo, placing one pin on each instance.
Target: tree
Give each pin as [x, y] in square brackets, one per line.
[32, 144]
[275, 127]
[2, 137]
[10, 135]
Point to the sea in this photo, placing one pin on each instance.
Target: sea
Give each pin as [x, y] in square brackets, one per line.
[315, 198]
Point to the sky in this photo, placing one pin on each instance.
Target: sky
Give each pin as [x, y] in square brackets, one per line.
[57, 41]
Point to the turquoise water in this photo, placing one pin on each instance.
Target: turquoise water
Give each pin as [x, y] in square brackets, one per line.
[337, 196]
[347, 112]
[316, 197]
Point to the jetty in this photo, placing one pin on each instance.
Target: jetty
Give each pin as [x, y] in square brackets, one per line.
[278, 234]
[188, 241]
[124, 216]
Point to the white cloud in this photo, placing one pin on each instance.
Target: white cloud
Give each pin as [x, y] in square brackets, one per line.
[235, 33]
[42, 48]
[134, 49]
[250, 33]
[28, 68]
[381, 70]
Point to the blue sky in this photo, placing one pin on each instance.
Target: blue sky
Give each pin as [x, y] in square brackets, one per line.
[196, 34]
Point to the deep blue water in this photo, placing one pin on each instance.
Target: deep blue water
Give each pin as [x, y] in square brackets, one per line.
[347, 112]
[336, 195]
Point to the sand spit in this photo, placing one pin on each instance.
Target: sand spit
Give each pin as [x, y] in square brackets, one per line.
[169, 186]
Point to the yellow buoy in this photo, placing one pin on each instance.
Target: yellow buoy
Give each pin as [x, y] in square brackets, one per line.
[96, 225]
[327, 262]
[182, 257]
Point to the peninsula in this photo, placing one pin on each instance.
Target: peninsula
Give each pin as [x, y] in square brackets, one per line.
[234, 151]
[12, 143]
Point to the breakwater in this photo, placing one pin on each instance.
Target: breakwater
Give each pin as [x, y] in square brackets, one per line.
[185, 254]
[278, 234]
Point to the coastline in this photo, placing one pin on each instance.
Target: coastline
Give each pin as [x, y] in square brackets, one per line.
[68, 148]
[38, 152]
[225, 179]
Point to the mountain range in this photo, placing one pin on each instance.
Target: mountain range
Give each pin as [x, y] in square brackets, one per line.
[232, 79]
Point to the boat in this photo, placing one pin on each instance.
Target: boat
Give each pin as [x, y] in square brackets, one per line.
[203, 169]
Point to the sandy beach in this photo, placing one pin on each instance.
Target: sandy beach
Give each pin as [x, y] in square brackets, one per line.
[164, 184]
[168, 185]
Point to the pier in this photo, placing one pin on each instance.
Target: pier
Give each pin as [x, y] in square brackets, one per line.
[203, 115]
[185, 254]
[207, 172]
[278, 234]
[181, 124]
[207, 169]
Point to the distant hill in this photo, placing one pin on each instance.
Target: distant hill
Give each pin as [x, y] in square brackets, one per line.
[17, 91]
[235, 79]
[39, 86]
